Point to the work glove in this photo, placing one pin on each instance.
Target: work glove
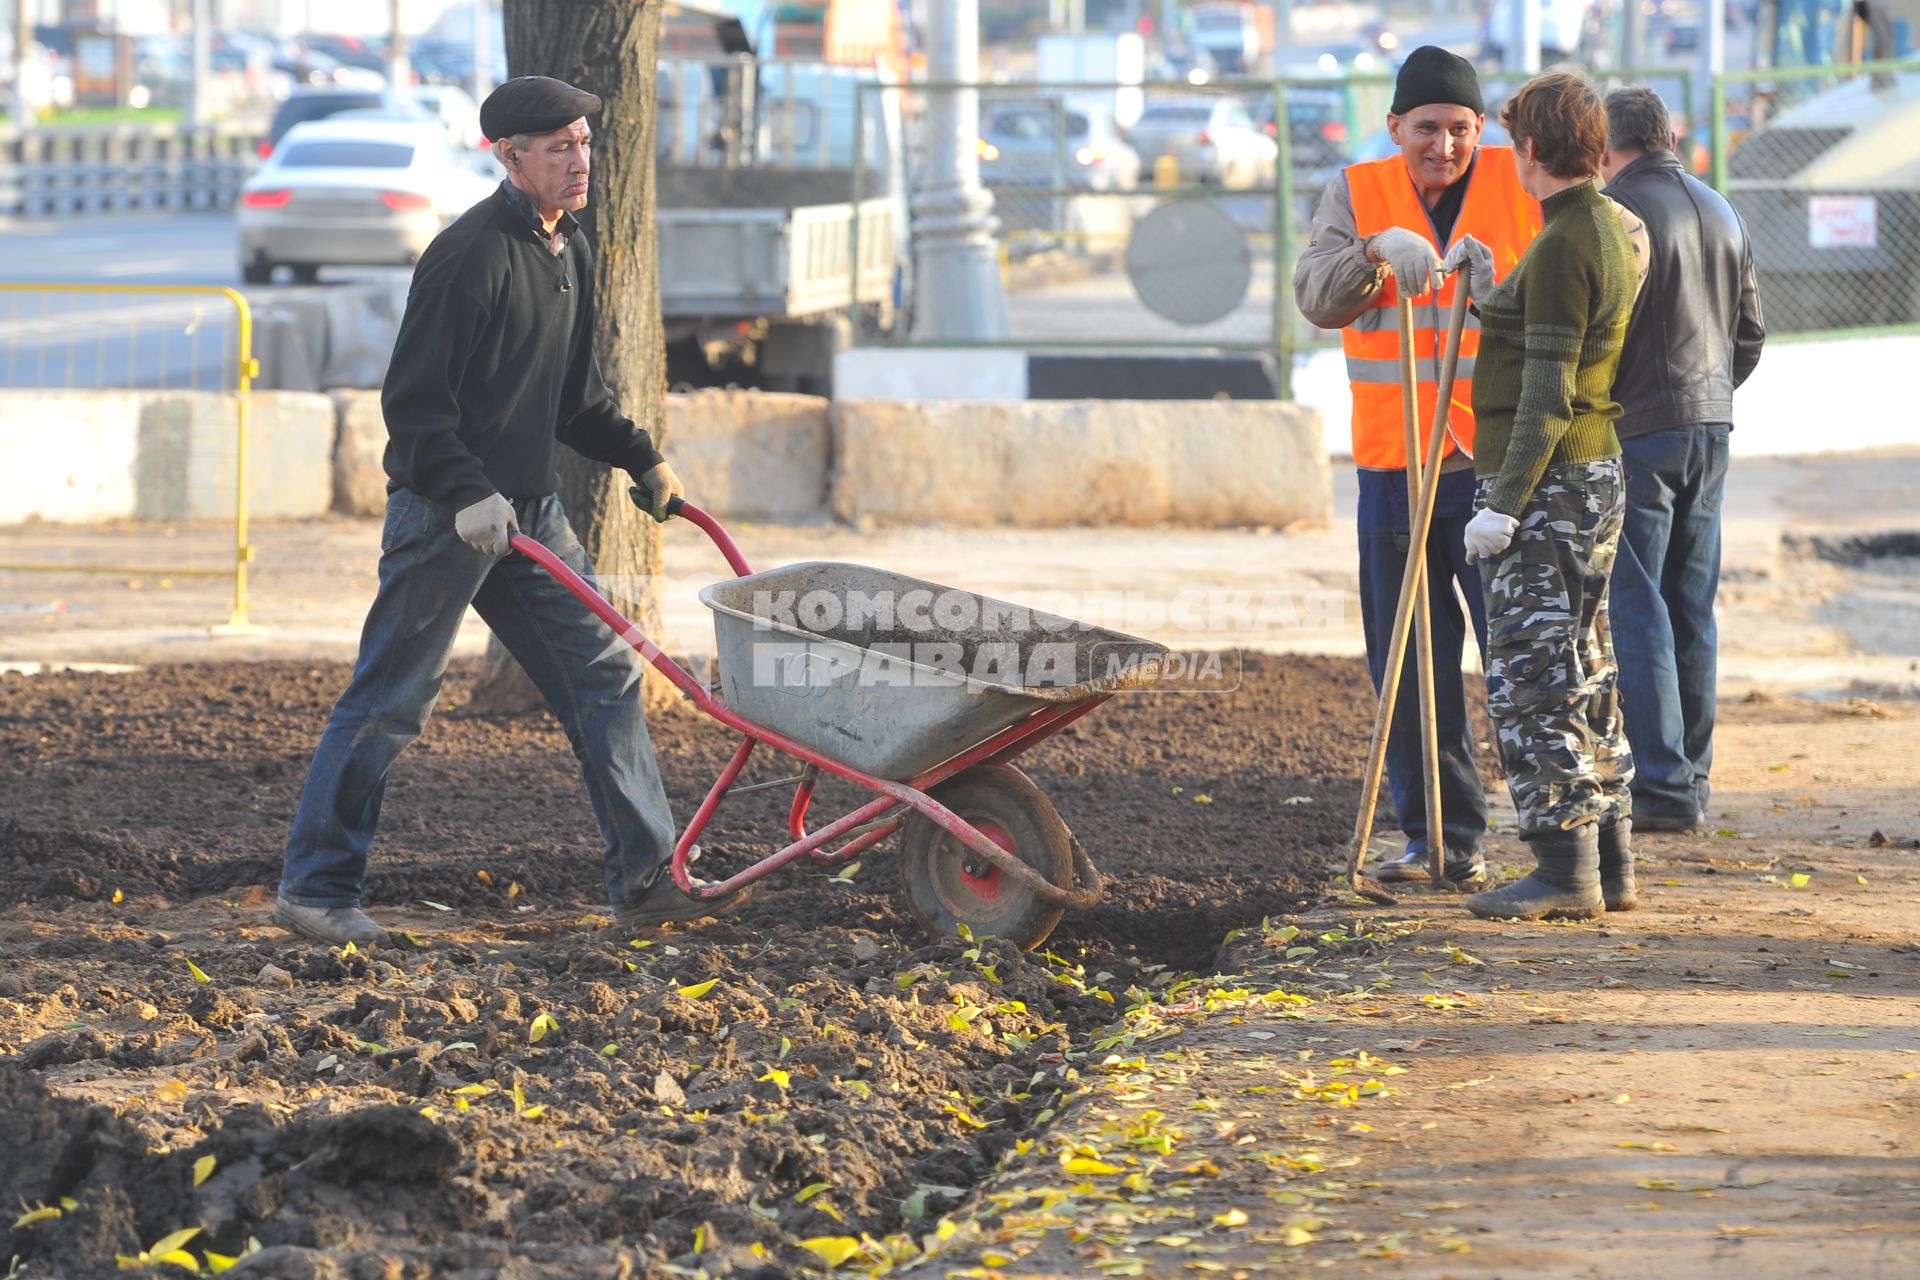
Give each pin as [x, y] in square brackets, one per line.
[1489, 533]
[658, 486]
[1472, 262]
[486, 525]
[1411, 257]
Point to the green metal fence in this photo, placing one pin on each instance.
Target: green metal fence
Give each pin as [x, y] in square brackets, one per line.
[1822, 163]
[1074, 169]
[1818, 162]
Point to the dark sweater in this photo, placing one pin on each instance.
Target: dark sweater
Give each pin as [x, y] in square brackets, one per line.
[494, 363]
[1550, 338]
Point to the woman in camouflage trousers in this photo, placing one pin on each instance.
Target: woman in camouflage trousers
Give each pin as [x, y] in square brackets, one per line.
[1551, 502]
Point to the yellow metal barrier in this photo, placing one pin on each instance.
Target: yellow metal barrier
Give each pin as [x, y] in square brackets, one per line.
[238, 379]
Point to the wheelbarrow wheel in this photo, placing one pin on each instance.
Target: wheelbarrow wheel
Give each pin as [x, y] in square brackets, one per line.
[949, 885]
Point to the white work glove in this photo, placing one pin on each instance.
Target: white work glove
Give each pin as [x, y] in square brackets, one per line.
[1410, 255]
[486, 525]
[1488, 533]
[1473, 262]
[660, 487]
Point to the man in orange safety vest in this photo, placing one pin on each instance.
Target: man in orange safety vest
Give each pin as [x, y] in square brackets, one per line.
[1380, 233]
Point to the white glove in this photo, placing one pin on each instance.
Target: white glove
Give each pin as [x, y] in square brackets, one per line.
[486, 525]
[1474, 263]
[1410, 255]
[1488, 533]
[662, 487]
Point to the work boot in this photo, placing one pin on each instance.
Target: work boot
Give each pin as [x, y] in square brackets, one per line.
[663, 903]
[1563, 885]
[338, 925]
[1649, 818]
[1411, 867]
[1616, 865]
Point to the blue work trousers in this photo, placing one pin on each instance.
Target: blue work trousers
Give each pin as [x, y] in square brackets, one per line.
[588, 676]
[1385, 538]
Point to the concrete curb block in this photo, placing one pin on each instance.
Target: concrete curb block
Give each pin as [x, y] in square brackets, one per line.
[1049, 464]
[744, 455]
[85, 456]
[751, 455]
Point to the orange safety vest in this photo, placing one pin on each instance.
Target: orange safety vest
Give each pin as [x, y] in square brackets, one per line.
[1498, 213]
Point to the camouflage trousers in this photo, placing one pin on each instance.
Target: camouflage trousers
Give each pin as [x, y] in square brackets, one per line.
[1552, 687]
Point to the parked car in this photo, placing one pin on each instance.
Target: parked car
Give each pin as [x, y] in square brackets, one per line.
[1211, 139]
[304, 106]
[352, 51]
[356, 192]
[1021, 145]
[1316, 126]
[1192, 64]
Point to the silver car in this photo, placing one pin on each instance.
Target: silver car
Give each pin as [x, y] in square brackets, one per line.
[1211, 139]
[1040, 144]
[338, 193]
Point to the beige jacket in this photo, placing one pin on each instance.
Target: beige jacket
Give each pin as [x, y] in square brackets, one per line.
[1334, 280]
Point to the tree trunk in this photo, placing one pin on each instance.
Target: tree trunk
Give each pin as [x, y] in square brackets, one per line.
[608, 47]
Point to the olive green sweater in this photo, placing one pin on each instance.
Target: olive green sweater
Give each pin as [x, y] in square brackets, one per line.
[1550, 337]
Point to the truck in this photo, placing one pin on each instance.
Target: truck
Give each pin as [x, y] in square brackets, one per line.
[757, 162]
[860, 33]
[1826, 171]
[1237, 35]
[1117, 60]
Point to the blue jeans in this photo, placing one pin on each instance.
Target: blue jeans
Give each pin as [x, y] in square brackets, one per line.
[589, 677]
[1664, 581]
[1385, 536]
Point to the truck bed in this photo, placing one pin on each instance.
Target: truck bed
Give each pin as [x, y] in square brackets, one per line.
[747, 262]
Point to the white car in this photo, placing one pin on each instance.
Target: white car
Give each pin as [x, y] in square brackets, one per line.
[341, 193]
[1211, 139]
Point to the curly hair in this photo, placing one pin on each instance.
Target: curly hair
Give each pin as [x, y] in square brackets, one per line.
[1562, 115]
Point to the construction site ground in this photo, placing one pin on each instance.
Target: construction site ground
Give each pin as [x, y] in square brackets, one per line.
[1233, 1067]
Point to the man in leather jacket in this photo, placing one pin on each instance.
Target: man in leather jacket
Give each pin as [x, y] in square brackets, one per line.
[1695, 335]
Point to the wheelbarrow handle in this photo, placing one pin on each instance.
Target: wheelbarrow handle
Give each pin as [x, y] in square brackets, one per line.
[694, 515]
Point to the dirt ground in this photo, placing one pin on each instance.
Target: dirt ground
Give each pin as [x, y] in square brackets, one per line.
[587, 1112]
[1726, 1077]
[1230, 1067]
[1724, 1082]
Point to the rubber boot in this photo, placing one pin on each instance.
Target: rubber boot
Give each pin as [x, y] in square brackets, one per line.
[1616, 865]
[1563, 885]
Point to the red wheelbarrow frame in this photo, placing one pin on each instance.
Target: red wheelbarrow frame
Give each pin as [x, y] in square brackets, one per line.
[870, 823]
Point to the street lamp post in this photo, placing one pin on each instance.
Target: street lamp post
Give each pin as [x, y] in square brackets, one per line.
[22, 39]
[399, 66]
[959, 293]
[202, 58]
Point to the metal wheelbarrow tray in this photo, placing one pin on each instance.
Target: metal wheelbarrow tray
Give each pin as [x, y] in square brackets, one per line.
[891, 675]
[920, 693]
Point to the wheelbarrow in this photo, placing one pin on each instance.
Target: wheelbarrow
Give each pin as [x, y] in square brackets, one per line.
[919, 693]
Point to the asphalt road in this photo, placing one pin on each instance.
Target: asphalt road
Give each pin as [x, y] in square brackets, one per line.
[50, 338]
[112, 335]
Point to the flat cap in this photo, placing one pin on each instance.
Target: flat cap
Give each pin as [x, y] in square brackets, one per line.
[534, 105]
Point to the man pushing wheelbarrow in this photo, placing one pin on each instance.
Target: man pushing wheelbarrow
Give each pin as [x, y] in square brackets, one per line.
[493, 367]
